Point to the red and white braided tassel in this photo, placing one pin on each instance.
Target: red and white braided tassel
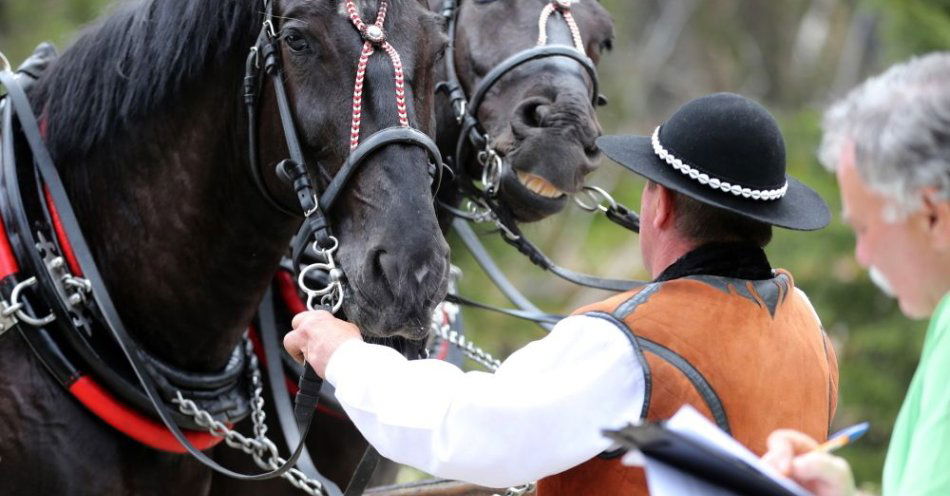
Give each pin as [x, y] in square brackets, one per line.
[564, 8]
[374, 36]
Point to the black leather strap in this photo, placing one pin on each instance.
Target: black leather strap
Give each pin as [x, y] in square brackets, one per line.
[283, 406]
[536, 317]
[380, 139]
[364, 472]
[538, 257]
[529, 55]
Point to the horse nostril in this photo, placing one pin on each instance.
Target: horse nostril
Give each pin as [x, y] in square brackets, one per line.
[534, 113]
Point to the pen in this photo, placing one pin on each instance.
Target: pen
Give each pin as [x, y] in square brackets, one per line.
[843, 437]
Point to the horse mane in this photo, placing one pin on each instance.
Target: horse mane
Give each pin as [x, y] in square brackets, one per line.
[136, 61]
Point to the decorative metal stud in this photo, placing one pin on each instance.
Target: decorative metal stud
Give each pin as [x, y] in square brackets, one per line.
[374, 34]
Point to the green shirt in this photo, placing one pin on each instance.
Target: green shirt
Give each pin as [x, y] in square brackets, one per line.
[918, 457]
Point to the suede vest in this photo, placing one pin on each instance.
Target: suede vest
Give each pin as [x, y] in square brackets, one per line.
[749, 355]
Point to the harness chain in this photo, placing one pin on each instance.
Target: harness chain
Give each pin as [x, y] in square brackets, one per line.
[260, 447]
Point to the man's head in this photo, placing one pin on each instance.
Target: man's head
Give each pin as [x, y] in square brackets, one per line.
[716, 171]
[888, 142]
[672, 223]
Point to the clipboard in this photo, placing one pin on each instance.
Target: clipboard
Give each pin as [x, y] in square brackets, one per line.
[703, 462]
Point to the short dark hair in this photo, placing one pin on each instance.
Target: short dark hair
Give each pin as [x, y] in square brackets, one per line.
[706, 224]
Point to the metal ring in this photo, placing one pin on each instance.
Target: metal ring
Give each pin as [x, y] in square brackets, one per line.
[20, 314]
[598, 196]
[491, 170]
[326, 251]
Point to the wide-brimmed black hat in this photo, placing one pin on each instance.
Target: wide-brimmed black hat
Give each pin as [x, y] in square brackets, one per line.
[724, 150]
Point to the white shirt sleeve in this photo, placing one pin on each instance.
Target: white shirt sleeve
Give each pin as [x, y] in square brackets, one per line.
[539, 414]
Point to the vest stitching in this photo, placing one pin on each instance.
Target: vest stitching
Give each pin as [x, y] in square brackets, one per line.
[699, 382]
[627, 307]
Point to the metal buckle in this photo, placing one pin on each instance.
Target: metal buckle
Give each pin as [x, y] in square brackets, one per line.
[461, 107]
[70, 289]
[268, 27]
[492, 168]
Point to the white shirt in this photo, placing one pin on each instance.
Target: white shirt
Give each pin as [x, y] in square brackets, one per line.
[539, 414]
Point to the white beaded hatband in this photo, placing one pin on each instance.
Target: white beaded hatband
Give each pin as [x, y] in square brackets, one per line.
[712, 182]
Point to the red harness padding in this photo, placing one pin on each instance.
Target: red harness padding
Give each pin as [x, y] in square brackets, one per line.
[131, 422]
[90, 393]
[8, 263]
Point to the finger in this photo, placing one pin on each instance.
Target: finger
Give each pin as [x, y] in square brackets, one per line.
[780, 460]
[302, 318]
[813, 466]
[796, 441]
[294, 343]
[783, 446]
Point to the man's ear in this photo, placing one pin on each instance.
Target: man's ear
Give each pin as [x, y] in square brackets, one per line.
[937, 211]
[663, 209]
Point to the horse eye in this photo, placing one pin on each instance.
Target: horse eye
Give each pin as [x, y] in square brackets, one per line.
[296, 42]
[484, 1]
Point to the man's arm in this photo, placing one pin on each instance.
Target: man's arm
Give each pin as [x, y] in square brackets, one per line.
[539, 414]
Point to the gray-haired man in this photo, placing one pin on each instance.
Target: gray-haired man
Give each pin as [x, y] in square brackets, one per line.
[888, 142]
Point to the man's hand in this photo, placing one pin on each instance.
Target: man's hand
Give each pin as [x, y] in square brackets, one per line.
[316, 336]
[790, 453]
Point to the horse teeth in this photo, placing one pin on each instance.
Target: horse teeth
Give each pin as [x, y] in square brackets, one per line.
[539, 185]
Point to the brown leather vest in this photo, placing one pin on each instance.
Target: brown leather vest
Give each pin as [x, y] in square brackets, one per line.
[750, 355]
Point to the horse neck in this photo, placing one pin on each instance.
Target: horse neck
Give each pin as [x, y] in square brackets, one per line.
[186, 243]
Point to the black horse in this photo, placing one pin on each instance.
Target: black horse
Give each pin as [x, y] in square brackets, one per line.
[144, 119]
[543, 121]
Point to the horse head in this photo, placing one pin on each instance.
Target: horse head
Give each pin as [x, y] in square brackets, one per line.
[540, 116]
[391, 248]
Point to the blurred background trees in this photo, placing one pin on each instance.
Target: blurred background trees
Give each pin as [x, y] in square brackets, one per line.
[794, 56]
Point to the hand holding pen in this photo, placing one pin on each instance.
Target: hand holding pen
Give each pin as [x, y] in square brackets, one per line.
[801, 458]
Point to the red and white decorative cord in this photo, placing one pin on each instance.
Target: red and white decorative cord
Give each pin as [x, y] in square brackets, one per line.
[375, 37]
[564, 8]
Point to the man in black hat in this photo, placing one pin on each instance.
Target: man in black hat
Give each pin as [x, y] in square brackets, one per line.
[717, 329]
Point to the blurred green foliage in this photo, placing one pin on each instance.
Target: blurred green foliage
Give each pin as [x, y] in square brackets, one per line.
[668, 51]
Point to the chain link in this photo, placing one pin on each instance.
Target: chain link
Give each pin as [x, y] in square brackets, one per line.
[260, 447]
[441, 325]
